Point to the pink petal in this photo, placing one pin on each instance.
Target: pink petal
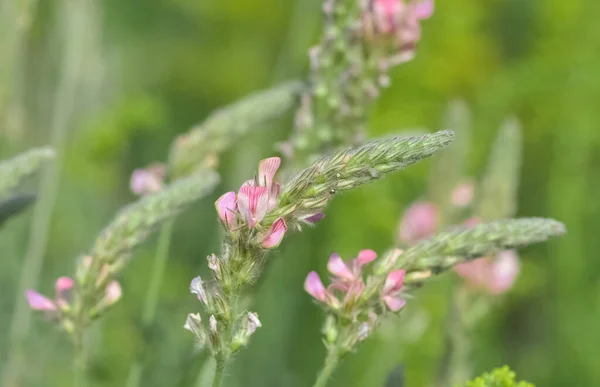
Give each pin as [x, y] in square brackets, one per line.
[253, 203]
[226, 207]
[338, 267]
[394, 281]
[275, 234]
[267, 170]
[472, 222]
[424, 9]
[505, 271]
[314, 286]
[38, 302]
[394, 303]
[420, 221]
[366, 256]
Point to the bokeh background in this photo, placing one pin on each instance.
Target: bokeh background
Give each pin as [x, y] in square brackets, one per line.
[112, 82]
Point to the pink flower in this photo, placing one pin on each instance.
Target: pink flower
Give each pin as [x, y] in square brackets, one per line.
[463, 194]
[62, 289]
[39, 302]
[148, 180]
[112, 293]
[493, 275]
[345, 273]
[254, 199]
[391, 294]
[275, 235]
[419, 221]
[401, 19]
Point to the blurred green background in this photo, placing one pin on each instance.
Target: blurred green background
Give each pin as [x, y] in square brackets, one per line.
[123, 77]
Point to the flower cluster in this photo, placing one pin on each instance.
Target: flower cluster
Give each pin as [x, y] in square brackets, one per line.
[60, 308]
[253, 201]
[354, 303]
[399, 22]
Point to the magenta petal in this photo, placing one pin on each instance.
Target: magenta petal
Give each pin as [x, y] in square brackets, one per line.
[366, 256]
[394, 303]
[314, 286]
[267, 170]
[226, 206]
[394, 281]
[338, 267]
[319, 216]
[276, 234]
[424, 9]
[38, 302]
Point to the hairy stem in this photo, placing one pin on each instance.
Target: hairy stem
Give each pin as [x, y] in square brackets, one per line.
[331, 362]
[219, 371]
[79, 359]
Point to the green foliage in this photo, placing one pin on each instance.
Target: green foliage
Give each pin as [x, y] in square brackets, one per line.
[500, 377]
[14, 206]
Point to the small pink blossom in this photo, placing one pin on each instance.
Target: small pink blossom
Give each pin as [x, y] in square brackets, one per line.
[314, 286]
[391, 293]
[493, 275]
[226, 207]
[275, 235]
[419, 221]
[148, 180]
[338, 268]
[463, 194]
[401, 20]
[62, 289]
[39, 302]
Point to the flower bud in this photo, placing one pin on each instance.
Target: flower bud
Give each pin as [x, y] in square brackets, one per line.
[197, 288]
[194, 325]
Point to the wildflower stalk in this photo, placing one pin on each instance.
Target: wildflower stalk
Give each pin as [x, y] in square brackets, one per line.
[257, 218]
[219, 371]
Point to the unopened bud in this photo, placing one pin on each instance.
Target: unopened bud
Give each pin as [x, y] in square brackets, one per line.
[197, 288]
[330, 329]
[212, 323]
[194, 325]
[214, 265]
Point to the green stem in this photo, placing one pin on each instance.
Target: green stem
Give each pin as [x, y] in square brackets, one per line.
[149, 312]
[79, 360]
[331, 362]
[219, 371]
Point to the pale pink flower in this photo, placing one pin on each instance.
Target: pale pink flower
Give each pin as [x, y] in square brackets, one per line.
[402, 20]
[463, 194]
[391, 293]
[252, 323]
[39, 302]
[226, 207]
[112, 293]
[419, 221]
[62, 289]
[493, 275]
[148, 180]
